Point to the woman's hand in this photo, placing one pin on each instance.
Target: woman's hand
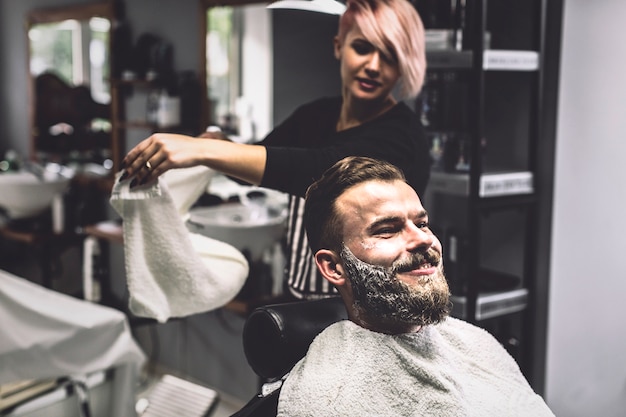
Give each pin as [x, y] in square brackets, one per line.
[159, 153]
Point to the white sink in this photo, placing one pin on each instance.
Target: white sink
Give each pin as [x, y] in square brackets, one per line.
[250, 228]
[24, 194]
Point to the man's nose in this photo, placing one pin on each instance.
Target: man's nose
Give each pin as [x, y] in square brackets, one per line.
[418, 238]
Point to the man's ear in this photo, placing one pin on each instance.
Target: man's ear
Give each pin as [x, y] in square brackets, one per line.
[337, 47]
[329, 265]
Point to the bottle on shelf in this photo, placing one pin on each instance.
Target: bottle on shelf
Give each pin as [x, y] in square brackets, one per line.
[152, 106]
[168, 110]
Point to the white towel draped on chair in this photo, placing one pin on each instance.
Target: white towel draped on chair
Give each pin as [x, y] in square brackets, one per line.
[170, 271]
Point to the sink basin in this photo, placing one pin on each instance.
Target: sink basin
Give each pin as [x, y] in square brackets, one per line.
[248, 227]
[24, 194]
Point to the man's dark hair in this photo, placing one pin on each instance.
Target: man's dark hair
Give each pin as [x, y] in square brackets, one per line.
[321, 220]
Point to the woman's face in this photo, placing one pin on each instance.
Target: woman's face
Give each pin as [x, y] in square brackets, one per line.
[366, 73]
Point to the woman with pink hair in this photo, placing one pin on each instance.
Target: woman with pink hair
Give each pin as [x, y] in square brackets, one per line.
[380, 47]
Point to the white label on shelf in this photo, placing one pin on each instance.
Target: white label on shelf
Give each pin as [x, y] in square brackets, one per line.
[490, 305]
[491, 184]
[505, 60]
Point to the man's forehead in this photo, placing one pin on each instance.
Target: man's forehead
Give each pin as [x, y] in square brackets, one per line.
[375, 197]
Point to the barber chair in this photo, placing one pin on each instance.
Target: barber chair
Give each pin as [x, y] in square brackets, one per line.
[276, 337]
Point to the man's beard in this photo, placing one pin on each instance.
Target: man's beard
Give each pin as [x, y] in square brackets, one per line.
[380, 297]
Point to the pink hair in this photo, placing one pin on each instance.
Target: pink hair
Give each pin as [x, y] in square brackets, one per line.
[395, 28]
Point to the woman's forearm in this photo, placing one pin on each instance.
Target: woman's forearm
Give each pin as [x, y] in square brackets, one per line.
[243, 161]
[162, 152]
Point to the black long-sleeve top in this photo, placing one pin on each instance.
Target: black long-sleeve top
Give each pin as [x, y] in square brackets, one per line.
[301, 148]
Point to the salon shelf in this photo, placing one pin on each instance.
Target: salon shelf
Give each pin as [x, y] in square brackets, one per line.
[448, 59]
[491, 184]
[496, 98]
[493, 60]
[492, 304]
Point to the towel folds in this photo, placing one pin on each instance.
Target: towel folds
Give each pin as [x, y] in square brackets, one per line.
[171, 272]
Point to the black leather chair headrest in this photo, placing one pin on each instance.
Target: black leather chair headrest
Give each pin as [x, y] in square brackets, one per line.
[277, 336]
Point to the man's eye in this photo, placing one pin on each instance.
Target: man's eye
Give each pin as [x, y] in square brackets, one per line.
[423, 225]
[385, 231]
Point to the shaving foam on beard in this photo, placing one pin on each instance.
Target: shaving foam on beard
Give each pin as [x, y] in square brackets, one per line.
[374, 245]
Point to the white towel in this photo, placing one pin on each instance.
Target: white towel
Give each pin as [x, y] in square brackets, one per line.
[453, 369]
[171, 272]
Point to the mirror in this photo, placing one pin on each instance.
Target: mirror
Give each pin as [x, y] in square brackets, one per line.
[239, 97]
[278, 60]
[69, 66]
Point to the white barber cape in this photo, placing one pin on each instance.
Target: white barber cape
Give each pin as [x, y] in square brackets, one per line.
[452, 369]
[45, 334]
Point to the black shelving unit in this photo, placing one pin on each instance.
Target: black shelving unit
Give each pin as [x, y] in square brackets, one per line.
[489, 113]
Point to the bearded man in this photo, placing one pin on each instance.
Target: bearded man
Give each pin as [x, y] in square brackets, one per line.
[399, 354]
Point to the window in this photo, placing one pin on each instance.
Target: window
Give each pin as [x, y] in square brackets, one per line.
[239, 70]
[75, 50]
